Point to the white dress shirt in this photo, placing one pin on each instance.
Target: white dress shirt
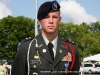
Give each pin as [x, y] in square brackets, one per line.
[54, 42]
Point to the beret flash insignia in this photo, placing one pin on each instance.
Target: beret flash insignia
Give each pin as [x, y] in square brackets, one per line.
[54, 5]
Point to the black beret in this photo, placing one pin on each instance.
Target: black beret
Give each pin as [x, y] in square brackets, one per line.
[45, 8]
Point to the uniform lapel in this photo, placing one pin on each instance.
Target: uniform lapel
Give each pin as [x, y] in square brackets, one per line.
[42, 48]
[61, 51]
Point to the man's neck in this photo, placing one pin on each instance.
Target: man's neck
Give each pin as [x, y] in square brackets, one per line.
[50, 36]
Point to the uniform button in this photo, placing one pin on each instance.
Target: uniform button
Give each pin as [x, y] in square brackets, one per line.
[52, 68]
[34, 66]
[35, 73]
[44, 50]
[60, 51]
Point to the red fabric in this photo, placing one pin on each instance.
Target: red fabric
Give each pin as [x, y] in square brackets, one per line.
[72, 52]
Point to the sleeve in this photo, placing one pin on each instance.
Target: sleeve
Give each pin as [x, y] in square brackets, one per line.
[19, 66]
[75, 70]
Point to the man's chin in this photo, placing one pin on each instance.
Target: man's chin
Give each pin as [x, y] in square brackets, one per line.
[50, 32]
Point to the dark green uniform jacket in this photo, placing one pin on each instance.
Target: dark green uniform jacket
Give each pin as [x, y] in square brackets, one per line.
[40, 61]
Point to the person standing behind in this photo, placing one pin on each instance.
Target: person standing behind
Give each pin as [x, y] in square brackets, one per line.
[3, 70]
[6, 68]
[47, 53]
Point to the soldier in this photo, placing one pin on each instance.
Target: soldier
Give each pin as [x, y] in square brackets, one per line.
[47, 53]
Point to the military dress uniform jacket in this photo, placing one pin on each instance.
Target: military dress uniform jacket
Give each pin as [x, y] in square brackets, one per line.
[40, 61]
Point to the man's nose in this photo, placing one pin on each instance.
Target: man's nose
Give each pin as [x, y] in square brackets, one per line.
[51, 20]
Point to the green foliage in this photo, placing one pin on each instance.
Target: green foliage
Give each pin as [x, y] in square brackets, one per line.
[12, 30]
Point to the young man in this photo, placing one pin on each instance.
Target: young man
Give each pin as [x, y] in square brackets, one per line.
[47, 53]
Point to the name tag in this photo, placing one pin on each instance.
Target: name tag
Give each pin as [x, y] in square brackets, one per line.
[37, 62]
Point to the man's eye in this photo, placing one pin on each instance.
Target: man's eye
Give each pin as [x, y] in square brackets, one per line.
[55, 16]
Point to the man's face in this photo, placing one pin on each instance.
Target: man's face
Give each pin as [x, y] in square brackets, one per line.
[50, 23]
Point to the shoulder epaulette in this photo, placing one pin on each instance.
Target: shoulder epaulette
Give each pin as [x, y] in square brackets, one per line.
[69, 41]
[24, 40]
[28, 38]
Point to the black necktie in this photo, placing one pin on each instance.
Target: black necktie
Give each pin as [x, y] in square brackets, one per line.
[50, 47]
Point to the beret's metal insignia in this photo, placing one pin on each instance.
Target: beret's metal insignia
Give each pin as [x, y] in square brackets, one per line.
[54, 5]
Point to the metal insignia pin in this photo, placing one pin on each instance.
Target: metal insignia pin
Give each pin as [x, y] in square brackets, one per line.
[66, 71]
[35, 73]
[66, 67]
[40, 45]
[60, 51]
[44, 50]
[36, 57]
[52, 68]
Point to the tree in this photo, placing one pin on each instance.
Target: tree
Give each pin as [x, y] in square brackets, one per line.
[12, 30]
